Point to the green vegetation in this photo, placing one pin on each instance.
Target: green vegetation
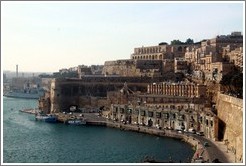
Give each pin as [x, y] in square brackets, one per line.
[177, 42]
[232, 83]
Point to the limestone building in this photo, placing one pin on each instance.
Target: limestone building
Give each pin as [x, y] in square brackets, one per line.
[177, 89]
[160, 52]
[165, 111]
[214, 56]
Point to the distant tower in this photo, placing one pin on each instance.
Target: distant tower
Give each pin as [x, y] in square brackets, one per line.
[16, 70]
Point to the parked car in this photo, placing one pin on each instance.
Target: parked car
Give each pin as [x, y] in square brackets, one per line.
[206, 144]
[191, 130]
[180, 131]
[200, 133]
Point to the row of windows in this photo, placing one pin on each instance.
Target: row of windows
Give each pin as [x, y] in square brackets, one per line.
[148, 57]
[148, 50]
[165, 115]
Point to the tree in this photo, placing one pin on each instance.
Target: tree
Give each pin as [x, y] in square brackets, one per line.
[232, 82]
[189, 41]
[174, 42]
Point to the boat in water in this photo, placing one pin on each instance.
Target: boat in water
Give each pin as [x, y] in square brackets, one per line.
[46, 118]
[76, 121]
[27, 92]
[22, 94]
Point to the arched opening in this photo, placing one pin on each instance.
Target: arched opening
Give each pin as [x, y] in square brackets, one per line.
[180, 48]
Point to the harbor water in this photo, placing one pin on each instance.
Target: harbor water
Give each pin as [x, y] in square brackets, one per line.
[28, 141]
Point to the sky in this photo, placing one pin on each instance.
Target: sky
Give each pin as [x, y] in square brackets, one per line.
[48, 36]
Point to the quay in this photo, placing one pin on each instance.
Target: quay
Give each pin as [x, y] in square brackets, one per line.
[201, 153]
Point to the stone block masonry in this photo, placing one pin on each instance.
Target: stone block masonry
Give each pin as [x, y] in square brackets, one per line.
[230, 113]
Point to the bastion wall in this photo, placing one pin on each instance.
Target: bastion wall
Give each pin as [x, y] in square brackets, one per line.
[230, 112]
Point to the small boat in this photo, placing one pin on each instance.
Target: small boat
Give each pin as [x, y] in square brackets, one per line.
[46, 118]
[76, 121]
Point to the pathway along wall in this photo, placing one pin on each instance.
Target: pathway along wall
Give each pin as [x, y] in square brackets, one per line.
[230, 114]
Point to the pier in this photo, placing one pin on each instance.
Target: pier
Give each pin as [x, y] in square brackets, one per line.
[29, 111]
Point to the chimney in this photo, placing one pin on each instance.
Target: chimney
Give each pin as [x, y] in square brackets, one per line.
[17, 71]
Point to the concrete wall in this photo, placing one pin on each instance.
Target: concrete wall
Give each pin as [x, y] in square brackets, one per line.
[230, 112]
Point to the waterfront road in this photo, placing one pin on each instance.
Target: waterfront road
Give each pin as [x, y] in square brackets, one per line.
[216, 150]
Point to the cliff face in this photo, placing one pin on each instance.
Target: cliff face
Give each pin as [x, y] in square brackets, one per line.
[230, 113]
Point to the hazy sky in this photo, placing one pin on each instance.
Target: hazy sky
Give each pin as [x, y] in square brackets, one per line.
[45, 36]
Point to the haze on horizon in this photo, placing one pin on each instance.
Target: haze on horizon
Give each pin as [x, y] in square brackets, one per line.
[48, 36]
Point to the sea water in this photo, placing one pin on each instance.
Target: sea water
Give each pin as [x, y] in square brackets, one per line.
[28, 141]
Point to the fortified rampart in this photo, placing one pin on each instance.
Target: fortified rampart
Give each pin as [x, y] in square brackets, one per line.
[230, 113]
[133, 68]
[91, 91]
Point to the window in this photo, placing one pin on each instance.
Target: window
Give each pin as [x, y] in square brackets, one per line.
[166, 115]
[158, 115]
[122, 110]
[150, 114]
[211, 123]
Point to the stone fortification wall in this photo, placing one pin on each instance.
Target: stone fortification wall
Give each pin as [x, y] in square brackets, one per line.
[230, 113]
[133, 68]
[67, 92]
[120, 67]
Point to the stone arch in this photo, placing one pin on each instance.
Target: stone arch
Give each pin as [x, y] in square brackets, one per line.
[155, 56]
[180, 48]
[160, 56]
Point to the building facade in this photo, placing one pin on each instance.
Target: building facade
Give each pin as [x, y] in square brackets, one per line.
[177, 89]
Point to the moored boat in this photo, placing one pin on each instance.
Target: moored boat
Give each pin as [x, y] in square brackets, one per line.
[46, 118]
[76, 121]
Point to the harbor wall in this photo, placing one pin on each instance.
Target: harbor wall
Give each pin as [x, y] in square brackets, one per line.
[185, 138]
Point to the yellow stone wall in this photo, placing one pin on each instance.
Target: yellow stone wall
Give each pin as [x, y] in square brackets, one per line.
[230, 111]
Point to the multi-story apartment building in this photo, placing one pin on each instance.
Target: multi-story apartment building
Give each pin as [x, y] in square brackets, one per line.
[160, 52]
[168, 117]
[210, 57]
[157, 109]
[234, 56]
